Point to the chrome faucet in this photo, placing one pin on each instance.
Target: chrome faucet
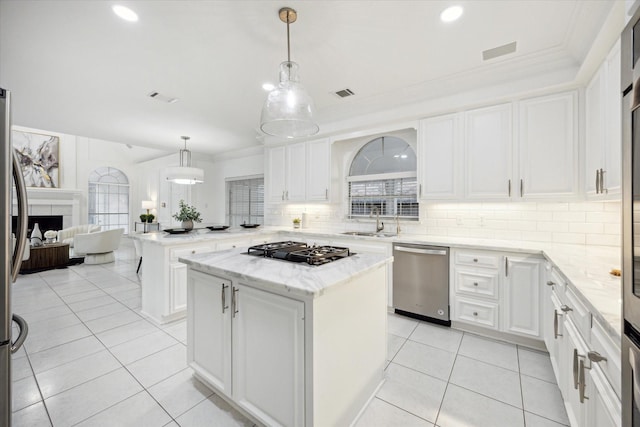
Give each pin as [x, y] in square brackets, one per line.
[398, 224]
[379, 225]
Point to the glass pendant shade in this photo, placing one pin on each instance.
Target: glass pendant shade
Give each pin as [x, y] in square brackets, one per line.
[288, 110]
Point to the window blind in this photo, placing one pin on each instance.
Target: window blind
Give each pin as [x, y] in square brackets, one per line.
[245, 201]
[391, 196]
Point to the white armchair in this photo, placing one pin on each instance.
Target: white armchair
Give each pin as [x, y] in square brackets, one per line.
[98, 247]
[67, 235]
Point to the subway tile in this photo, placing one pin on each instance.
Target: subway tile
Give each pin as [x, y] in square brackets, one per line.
[569, 216]
[570, 238]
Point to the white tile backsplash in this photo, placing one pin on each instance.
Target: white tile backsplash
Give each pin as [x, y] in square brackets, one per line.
[594, 223]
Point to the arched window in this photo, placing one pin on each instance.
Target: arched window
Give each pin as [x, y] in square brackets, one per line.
[109, 198]
[382, 178]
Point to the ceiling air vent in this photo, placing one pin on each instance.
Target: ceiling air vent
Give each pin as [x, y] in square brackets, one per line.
[499, 51]
[162, 98]
[344, 93]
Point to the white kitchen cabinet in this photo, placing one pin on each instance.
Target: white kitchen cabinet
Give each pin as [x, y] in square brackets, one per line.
[603, 104]
[249, 344]
[439, 157]
[488, 153]
[268, 355]
[603, 407]
[522, 296]
[498, 291]
[209, 329]
[298, 172]
[318, 170]
[165, 298]
[276, 184]
[548, 146]
[572, 352]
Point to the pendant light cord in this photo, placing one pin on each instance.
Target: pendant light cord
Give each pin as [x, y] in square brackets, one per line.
[288, 43]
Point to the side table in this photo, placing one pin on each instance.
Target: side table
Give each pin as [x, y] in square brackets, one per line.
[146, 227]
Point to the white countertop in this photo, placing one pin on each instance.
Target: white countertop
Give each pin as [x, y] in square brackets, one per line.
[585, 267]
[298, 278]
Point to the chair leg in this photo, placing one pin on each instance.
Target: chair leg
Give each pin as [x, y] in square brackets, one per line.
[139, 264]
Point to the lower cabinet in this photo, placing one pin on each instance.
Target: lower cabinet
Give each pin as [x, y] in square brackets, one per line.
[496, 290]
[249, 344]
[585, 361]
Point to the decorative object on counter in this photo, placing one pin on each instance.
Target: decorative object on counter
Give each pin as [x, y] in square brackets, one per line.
[177, 230]
[288, 110]
[185, 173]
[50, 235]
[244, 225]
[296, 222]
[305, 220]
[217, 227]
[36, 236]
[188, 215]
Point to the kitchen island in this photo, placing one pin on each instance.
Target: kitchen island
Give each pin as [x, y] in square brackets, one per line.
[287, 343]
[164, 279]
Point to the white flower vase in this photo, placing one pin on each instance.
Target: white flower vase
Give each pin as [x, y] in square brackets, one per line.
[36, 235]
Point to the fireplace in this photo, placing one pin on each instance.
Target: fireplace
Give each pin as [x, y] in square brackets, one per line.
[45, 222]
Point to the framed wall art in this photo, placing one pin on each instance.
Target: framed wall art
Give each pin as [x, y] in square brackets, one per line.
[39, 158]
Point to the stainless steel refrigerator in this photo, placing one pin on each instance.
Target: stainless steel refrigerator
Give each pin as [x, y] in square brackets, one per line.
[11, 251]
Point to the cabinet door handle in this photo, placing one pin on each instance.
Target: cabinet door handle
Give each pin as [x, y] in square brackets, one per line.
[420, 190]
[582, 383]
[555, 325]
[597, 181]
[234, 302]
[509, 188]
[287, 194]
[506, 266]
[602, 187]
[224, 298]
[326, 194]
[565, 308]
[283, 195]
[576, 368]
[521, 187]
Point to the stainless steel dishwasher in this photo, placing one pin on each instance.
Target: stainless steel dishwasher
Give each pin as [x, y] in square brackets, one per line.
[421, 282]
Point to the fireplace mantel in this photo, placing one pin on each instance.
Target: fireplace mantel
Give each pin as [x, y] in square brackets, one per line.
[54, 201]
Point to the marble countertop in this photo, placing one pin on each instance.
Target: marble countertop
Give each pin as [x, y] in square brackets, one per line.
[297, 278]
[585, 267]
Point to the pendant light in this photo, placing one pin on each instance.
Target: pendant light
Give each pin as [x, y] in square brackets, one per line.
[288, 110]
[185, 174]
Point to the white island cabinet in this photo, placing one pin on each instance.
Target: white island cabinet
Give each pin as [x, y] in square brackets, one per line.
[288, 344]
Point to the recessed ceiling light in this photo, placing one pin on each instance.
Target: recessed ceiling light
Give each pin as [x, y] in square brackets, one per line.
[268, 87]
[452, 13]
[125, 13]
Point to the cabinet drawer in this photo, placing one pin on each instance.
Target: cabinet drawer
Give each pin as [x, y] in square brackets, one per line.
[556, 280]
[602, 343]
[474, 283]
[579, 314]
[478, 259]
[477, 312]
[174, 254]
[232, 244]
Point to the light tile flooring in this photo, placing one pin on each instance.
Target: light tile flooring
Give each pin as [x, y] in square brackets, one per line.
[91, 359]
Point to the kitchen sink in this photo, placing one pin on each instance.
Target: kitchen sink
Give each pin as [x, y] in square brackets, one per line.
[366, 234]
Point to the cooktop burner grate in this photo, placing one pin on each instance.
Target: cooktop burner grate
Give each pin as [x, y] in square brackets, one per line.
[299, 252]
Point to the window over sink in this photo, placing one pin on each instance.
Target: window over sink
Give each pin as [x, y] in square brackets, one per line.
[382, 179]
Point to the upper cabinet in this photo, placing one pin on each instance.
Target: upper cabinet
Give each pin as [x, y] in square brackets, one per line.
[438, 157]
[603, 104]
[298, 172]
[548, 146]
[488, 149]
[525, 150]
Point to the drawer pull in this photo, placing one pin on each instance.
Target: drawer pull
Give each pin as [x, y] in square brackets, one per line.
[193, 251]
[594, 356]
[565, 308]
[550, 283]
[475, 313]
[555, 325]
[475, 283]
[475, 260]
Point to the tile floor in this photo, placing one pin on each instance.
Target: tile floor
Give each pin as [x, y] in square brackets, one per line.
[91, 359]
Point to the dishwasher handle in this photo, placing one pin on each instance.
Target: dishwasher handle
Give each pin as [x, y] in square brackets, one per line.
[420, 251]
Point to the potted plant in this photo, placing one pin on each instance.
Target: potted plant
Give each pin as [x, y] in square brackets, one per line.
[150, 218]
[143, 217]
[296, 222]
[187, 215]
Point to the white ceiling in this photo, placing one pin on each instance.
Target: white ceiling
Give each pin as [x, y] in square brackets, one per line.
[74, 67]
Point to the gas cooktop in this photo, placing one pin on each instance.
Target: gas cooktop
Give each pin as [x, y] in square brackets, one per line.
[299, 252]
